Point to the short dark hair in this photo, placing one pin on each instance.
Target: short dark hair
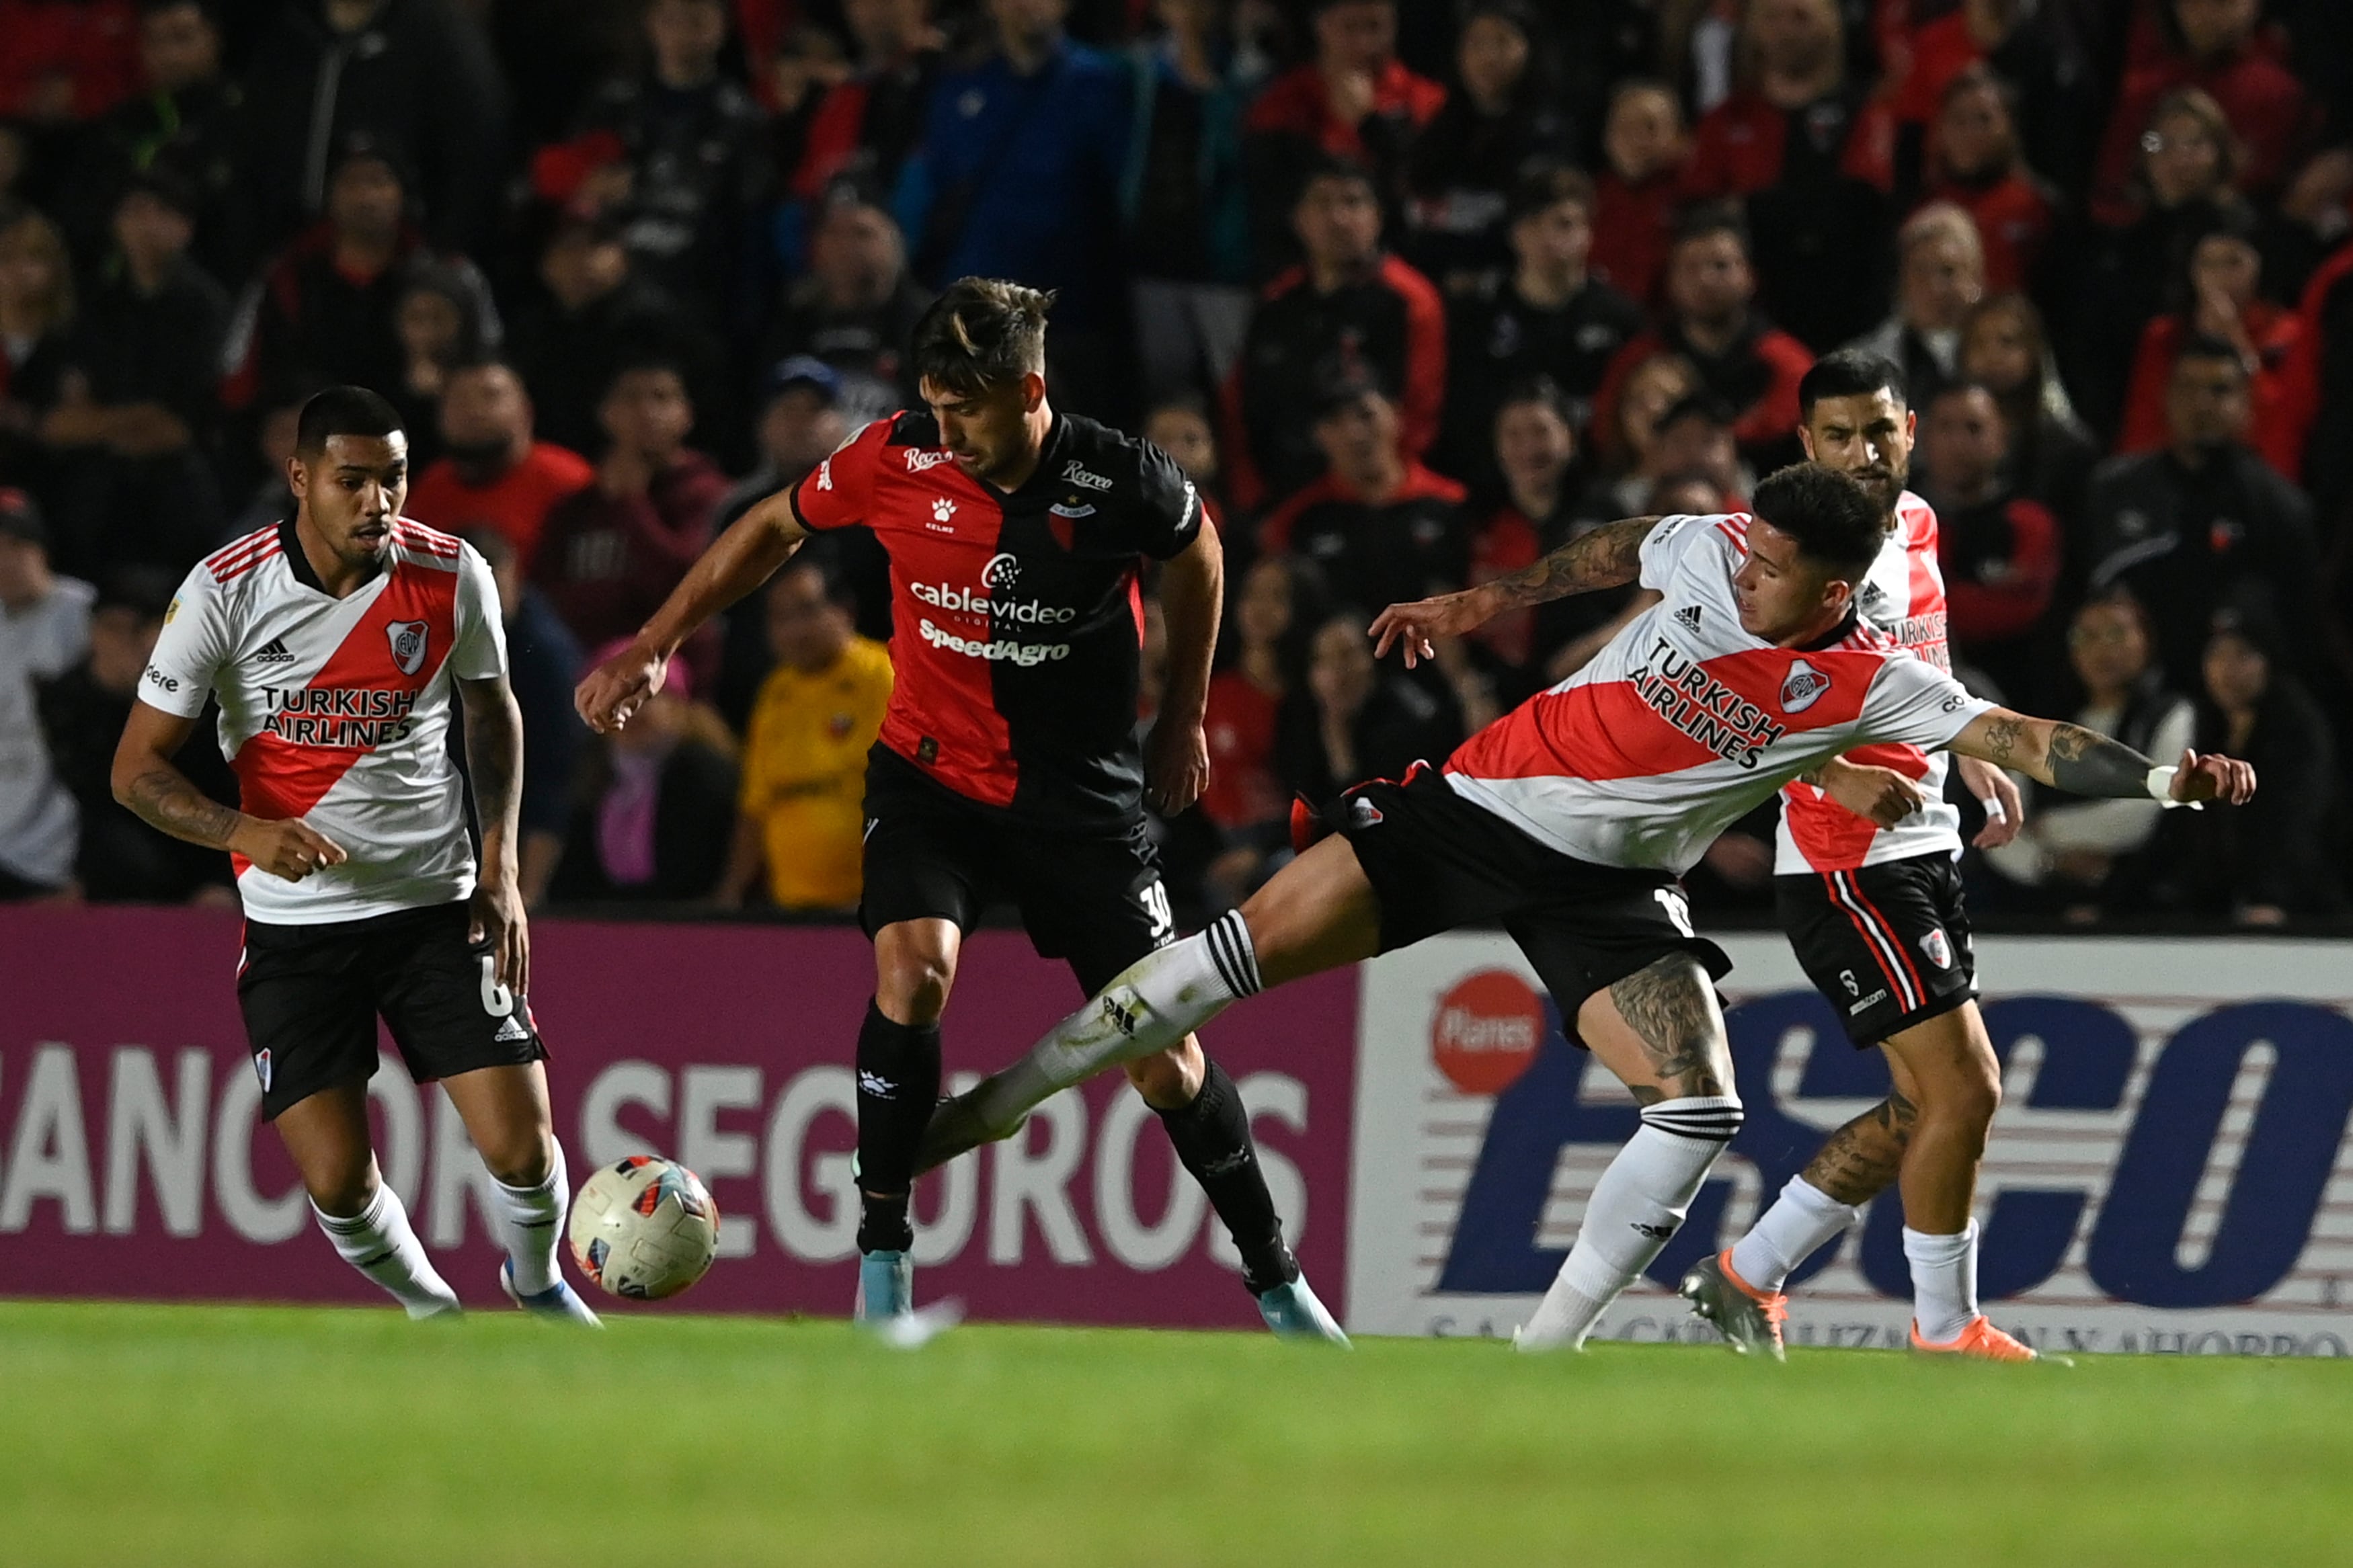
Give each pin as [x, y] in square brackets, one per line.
[2205, 345]
[1833, 518]
[1543, 391]
[833, 585]
[344, 411]
[1700, 405]
[1333, 166]
[1545, 185]
[1699, 220]
[982, 332]
[1851, 373]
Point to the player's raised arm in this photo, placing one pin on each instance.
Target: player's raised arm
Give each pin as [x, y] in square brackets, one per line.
[1610, 556]
[2083, 762]
[738, 560]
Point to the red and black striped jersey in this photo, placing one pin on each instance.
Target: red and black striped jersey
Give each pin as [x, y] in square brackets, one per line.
[1016, 617]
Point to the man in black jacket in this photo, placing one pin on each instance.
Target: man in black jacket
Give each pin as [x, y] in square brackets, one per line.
[2206, 523]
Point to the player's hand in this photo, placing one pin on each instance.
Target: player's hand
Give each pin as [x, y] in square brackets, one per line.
[1999, 792]
[1176, 766]
[2213, 777]
[1881, 794]
[291, 849]
[496, 920]
[1414, 624]
[618, 687]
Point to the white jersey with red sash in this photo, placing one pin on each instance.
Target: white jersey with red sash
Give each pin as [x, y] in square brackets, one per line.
[1903, 597]
[1684, 722]
[337, 710]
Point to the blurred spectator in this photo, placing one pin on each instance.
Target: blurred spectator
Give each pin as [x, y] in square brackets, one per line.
[808, 62]
[800, 423]
[415, 78]
[493, 476]
[328, 308]
[1548, 316]
[1975, 163]
[1813, 156]
[2077, 850]
[1017, 176]
[2268, 861]
[2035, 51]
[2215, 296]
[678, 154]
[651, 824]
[1626, 433]
[2005, 351]
[1353, 100]
[1641, 188]
[610, 553]
[36, 316]
[2325, 377]
[1999, 552]
[596, 316]
[439, 320]
[2220, 56]
[868, 125]
[2189, 158]
[43, 632]
[1350, 311]
[1502, 116]
[1379, 527]
[1939, 276]
[67, 61]
[1274, 613]
[799, 812]
[856, 308]
[542, 662]
[1183, 199]
[2206, 523]
[1694, 440]
[1713, 325]
[119, 858]
[1180, 427]
[188, 125]
[135, 411]
[1353, 719]
[274, 428]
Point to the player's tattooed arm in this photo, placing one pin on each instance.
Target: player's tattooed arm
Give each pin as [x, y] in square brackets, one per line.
[494, 768]
[1610, 556]
[1671, 1008]
[2085, 762]
[164, 799]
[146, 780]
[1861, 1158]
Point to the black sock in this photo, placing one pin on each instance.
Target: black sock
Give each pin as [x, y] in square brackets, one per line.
[898, 1084]
[1213, 1139]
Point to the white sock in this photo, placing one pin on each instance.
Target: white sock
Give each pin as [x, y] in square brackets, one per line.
[530, 1222]
[1944, 1282]
[1155, 1003]
[1803, 1218]
[1638, 1205]
[379, 1242]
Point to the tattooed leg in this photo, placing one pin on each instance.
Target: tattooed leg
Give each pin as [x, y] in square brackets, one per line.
[1863, 1158]
[1660, 1031]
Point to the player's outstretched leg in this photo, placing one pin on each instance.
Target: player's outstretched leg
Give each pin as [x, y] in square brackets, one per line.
[1211, 1133]
[327, 1136]
[898, 1086]
[506, 1113]
[1660, 1030]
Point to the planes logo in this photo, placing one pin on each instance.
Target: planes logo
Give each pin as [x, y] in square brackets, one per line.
[1486, 1031]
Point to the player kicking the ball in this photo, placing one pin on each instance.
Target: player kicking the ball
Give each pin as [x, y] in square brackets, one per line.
[335, 640]
[1007, 766]
[1569, 820]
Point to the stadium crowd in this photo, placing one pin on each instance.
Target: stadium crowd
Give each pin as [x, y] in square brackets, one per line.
[1414, 291]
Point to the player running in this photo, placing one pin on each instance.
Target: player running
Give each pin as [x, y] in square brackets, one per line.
[1868, 888]
[1569, 819]
[1007, 766]
[335, 640]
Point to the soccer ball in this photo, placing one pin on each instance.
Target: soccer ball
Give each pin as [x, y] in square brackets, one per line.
[644, 1228]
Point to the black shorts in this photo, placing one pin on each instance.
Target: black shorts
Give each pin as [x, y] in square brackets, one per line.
[1094, 898]
[311, 995]
[1436, 861]
[1887, 944]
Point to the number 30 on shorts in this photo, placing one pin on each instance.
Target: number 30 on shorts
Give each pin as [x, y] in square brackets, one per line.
[1153, 896]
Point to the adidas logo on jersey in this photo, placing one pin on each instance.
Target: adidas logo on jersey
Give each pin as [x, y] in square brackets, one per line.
[274, 652]
[1689, 617]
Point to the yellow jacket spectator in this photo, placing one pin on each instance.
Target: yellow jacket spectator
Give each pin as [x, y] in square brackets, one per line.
[800, 811]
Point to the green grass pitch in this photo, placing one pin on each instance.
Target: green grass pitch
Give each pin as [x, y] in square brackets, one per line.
[163, 1436]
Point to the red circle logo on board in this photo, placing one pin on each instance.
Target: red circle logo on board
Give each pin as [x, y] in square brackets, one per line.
[1486, 1031]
